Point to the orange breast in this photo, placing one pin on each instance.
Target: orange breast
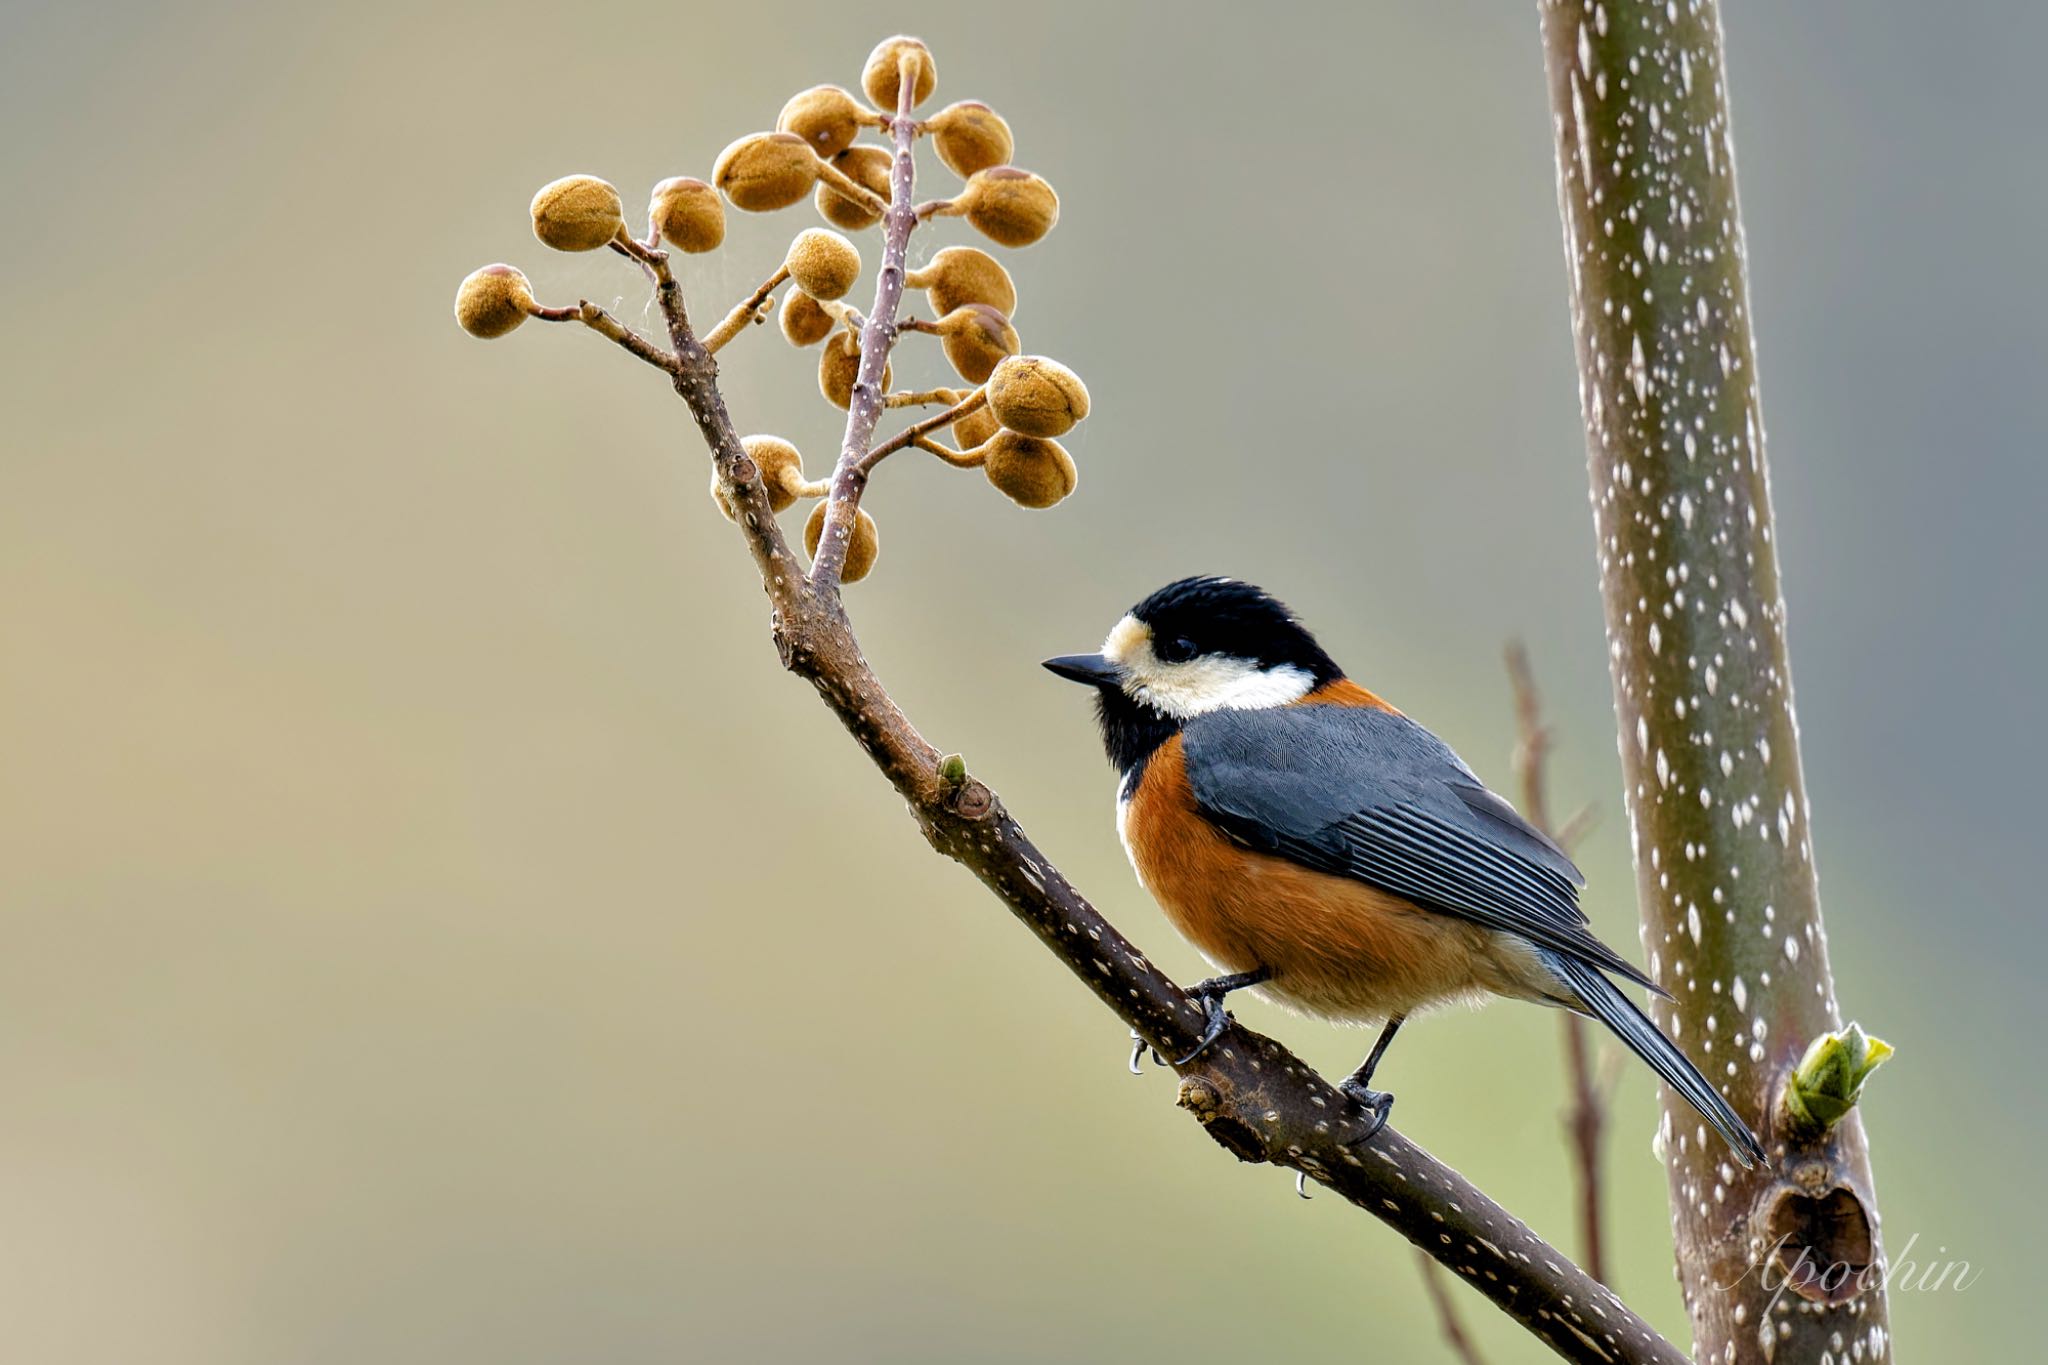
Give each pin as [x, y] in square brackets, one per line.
[1336, 947]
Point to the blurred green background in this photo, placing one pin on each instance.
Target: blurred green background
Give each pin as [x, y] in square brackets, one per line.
[431, 927]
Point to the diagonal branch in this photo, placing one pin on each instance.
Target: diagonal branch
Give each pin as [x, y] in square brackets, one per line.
[1253, 1096]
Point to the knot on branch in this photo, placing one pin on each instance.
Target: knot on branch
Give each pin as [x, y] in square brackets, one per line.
[1200, 1097]
[972, 800]
[1822, 1246]
[964, 796]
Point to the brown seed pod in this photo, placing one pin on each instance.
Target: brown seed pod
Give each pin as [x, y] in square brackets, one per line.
[826, 117]
[964, 274]
[970, 136]
[492, 301]
[867, 166]
[839, 366]
[763, 172]
[1035, 396]
[688, 214]
[975, 337]
[782, 474]
[1028, 470]
[804, 322]
[861, 547]
[881, 77]
[1009, 206]
[823, 264]
[975, 428]
[578, 213]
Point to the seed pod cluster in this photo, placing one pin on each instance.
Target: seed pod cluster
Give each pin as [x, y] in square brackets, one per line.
[687, 214]
[492, 301]
[861, 548]
[578, 213]
[1030, 400]
[1024, 404]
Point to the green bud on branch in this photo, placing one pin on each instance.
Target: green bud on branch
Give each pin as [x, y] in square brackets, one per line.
[1829, 1078]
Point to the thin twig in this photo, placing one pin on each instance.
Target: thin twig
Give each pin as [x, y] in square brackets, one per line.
[959, 459]
[913, 434]
[605, 325]
[1447, 1313]
[744, 313]
[921, 398]
[1586, 1120]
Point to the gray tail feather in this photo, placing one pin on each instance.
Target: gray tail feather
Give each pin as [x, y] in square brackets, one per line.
[1612, 1008]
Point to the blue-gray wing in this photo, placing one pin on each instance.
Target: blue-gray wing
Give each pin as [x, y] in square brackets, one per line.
[1371, 795]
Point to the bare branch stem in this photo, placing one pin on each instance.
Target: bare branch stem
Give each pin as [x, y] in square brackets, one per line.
[959, 459]
[1258, 1100]
[877, 338]
[743, 313]
[1586, 1120]
[605, 325]
[916, 431]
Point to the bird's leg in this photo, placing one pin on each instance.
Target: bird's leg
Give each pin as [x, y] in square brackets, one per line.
[1211, 993]
[1377, 1104]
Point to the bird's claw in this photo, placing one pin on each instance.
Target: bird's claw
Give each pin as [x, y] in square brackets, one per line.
[1377, 1104]
[1301, 1183]
[1138, 1046]
[1219, 1020]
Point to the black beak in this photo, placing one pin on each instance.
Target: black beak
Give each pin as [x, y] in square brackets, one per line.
[1091, 669]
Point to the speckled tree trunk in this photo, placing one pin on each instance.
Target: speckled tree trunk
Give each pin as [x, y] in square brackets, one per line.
[1703, 689]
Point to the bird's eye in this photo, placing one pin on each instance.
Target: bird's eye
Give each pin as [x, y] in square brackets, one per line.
[1177, 650]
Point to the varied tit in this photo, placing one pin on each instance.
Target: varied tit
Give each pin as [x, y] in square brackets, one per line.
[1323, 849]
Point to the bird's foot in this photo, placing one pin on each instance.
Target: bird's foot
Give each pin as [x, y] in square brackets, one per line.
[1375, 1104]
[1218, 1020]
[1210, 993]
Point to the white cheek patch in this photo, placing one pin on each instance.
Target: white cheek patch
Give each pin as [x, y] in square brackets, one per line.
[1217, 682]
